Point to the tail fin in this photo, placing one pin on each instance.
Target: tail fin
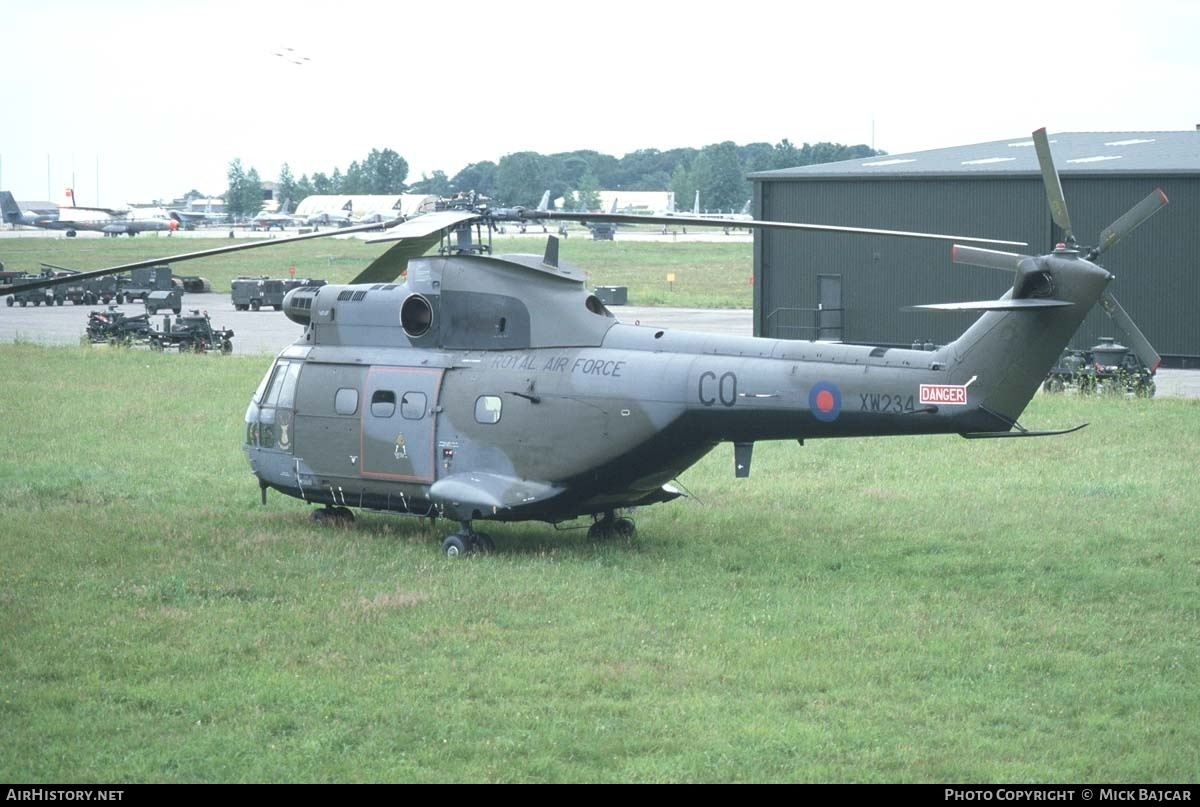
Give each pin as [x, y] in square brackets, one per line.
[68, 198]
[1008, 352]
[9, 207]
[696, 204]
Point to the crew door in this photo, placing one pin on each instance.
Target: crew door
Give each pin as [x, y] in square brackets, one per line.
[829, 313]
[398, 423]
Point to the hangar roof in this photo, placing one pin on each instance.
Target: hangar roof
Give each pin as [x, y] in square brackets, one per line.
[1075, 154]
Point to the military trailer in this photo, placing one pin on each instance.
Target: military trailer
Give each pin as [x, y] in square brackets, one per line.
[254, 293]
[1107, 367]
[114, 327]
[192, 332]
[194, 284]
[139, 284]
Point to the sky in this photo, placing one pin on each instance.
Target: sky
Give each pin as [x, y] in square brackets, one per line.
[134, 101]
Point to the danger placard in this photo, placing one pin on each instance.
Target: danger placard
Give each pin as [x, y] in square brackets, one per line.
[944, 394]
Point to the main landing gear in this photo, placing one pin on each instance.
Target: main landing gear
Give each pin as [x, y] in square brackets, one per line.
[467, 542]
[334, 516]
[609, 527]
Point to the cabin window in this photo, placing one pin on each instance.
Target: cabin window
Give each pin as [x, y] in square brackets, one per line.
[383, 403]
[413, 406]
[345, 401]
[487, 409]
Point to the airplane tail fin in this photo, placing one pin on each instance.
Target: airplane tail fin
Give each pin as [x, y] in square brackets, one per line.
[696, 204]
[9, 207]
[68, 199]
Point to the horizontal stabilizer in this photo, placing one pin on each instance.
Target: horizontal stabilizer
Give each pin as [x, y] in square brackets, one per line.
[486, 491]
[1021, 304]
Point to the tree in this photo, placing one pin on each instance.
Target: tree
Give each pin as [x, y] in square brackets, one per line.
[384, 172]
[355, 181]
[285, 187]
[479, 177]
[322, 184]
[521, 178]
[436, 185]
[234, 199]
[588, 191]
[252, 193]
[304, 188]
[683, 185]
[718, 173]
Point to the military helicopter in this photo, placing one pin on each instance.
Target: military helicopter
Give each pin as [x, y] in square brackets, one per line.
[472, 387]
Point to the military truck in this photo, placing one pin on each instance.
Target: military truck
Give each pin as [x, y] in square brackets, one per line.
[139, 284]
[254, 293]
[158, 300]
[24, 298]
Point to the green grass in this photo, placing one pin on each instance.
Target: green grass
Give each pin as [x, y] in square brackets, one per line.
[873, 609]
[707, 275]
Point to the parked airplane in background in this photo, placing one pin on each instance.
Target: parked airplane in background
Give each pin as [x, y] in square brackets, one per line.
[338, 218]
[193, 218]
[281, 219]
[73, 217]
[11, 210]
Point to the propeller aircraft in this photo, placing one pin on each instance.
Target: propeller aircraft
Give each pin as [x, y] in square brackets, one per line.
[475, 387]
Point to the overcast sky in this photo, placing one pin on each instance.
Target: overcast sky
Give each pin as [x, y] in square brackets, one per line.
[153, 99]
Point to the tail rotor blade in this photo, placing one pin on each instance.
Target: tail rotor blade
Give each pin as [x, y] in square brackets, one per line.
[1132, 219]
[1054, 191]
[1137, 340]
[987, 258]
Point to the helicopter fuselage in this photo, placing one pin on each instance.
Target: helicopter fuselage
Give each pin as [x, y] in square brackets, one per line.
[498, 388]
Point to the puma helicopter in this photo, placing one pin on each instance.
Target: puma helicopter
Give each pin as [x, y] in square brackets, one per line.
[475, 387]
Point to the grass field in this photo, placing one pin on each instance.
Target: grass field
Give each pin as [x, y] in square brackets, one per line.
[871, 610]
[707, 275]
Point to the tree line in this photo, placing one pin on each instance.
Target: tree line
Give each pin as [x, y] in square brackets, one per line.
[718, 171]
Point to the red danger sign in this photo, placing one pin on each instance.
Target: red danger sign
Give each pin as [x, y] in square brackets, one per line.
[944, 394]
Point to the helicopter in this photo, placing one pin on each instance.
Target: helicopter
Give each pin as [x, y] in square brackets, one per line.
[473, 387]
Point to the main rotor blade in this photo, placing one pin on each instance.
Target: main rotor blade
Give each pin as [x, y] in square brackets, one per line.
[1132, 219]
[1137, 340]
[629, 218]
[188, 256]
[1054, 191]
[987, 258]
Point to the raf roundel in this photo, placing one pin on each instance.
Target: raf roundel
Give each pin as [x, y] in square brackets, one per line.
[825, 401]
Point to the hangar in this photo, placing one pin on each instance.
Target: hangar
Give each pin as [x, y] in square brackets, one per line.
[825, 286]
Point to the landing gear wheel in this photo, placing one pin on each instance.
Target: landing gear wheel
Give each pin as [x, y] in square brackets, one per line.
[484, 543]
[334, 516]
[610, 527]
[624, 528]
[454, 546]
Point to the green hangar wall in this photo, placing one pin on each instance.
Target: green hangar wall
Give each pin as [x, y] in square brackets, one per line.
[856, 287]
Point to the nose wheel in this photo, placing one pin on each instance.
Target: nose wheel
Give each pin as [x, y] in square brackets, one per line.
[467, 542]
